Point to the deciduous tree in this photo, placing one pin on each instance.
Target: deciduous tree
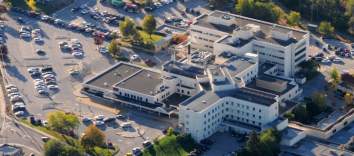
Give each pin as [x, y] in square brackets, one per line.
[93, 137]
[149, 24]
[62, 122]
[127, 28]
[294, 18]
[326, 28]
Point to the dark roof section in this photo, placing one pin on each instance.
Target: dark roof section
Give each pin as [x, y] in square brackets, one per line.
[113, 75]
[183, 69]
[228, 40]
[255, 96]
[241, 21]
[144, 82]
[271, 78]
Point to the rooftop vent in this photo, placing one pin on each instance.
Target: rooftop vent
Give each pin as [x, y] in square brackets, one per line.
[105, 84]
[226, 17]
[204, 102]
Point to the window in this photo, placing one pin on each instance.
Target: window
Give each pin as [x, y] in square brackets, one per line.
[260, 110]
[260, 117]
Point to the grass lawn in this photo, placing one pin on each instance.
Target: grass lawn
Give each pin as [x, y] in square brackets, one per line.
[146, 37]
[45, 130]
[49, 8]
[171, 146]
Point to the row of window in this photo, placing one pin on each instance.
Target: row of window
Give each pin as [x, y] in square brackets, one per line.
[300, 51]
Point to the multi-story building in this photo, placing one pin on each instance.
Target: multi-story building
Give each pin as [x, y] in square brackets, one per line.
[220, 32]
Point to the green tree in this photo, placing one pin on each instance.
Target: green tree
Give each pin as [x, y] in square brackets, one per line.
[326, 28]
[170, 131]
[253, 144]
[301, 114]
[93, 137]
[335, 76]
[57, 148]
[270, 142]
[294, 18]
[317, 104]
[113, 48]
[62, 122]
[53, 147]
[245, 7]
[101, 151]
[127, 28]
[149, 24]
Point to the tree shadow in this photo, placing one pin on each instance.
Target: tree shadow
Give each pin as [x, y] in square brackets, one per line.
[14, 72]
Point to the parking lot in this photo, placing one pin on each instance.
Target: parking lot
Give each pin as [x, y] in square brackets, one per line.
[23, 56]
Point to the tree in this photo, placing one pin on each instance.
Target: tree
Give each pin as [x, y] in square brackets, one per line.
[101, 151]
[270, 141]
[245, 7]
[127, 28]
[294, 18]
[113, 48]
[53, 147]
[62, 122]
[326, 28]
[252, 144]
[335, 76]
[348, 99]
[149, 24]
[301, 114]
[32, 4]
[170, 131]
[57, 148]
[93, 137]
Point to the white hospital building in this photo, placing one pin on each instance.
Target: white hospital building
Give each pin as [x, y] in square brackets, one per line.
[219, 32]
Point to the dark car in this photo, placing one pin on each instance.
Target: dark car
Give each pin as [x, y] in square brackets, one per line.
[149, 8]
[21, 20]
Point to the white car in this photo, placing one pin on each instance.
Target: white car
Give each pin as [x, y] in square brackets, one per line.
[48, 75]
[9, 86]
[15, 98]
[99, 123]
[326, 61]
[103, 50]
[134, 57]
[53, 87]
[99, 117]
[77, 54]
[42, 92]
[20, 113]
[337, 60]
[38, 40]
[13, 94]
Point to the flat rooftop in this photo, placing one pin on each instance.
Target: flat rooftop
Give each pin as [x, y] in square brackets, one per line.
[236, 65]
[107, 79]
[228, 40]
[205, 99]
[270, 78]
[241, 21]
[183, 69]
[144, 81]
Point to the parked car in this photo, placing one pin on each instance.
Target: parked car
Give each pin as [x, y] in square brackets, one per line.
[121, 117]
[99, 117]
[109, 119]
[147, 144]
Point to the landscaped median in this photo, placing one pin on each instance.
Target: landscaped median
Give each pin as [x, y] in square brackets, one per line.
[172, 145]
